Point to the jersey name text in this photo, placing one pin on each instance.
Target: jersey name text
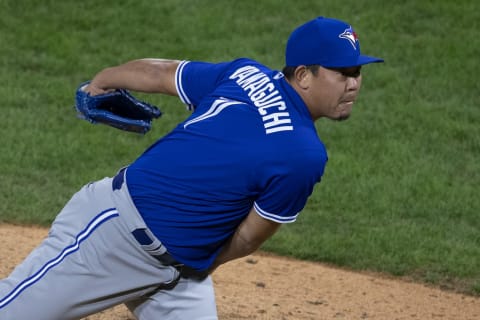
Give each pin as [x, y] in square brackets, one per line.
[262, 93]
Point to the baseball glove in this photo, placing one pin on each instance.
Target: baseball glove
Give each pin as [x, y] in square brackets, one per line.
[118, 109]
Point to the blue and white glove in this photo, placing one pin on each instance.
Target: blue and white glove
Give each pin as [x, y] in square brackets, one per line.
[118, 109]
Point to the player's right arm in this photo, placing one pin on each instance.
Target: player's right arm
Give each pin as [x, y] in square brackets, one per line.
[249, 236]
[143, 75]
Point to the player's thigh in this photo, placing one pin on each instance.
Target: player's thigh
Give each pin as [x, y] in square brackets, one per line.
[188, 300]
[90, 261]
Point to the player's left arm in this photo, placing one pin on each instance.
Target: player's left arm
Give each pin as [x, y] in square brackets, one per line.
[142, 75]
[249, 236]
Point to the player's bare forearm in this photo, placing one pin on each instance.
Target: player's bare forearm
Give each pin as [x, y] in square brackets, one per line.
[249, 236]
[236, 247]
[144, 75]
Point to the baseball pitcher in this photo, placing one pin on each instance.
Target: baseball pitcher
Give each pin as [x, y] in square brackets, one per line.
[212, 190]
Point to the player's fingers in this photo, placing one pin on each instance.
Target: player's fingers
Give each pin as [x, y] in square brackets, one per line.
[94, 90]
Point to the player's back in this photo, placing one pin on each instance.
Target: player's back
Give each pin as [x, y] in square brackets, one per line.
[195, 185]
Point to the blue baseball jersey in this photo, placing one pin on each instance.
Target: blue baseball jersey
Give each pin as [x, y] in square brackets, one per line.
[249, 142]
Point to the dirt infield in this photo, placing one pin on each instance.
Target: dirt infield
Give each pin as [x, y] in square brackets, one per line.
[268, 287]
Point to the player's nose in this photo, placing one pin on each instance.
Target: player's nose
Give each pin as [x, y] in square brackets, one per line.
[353, 83]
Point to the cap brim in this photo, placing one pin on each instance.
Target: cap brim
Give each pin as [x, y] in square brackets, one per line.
[360, 61]
[367, 59]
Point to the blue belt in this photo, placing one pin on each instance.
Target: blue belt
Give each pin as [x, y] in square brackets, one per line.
[144, 239]
[141, 235]
[119, 179]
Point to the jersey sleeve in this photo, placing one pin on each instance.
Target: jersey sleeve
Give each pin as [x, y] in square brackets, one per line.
[287, 188]
[195, 80]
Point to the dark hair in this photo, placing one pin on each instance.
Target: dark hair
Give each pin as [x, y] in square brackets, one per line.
[289, 71]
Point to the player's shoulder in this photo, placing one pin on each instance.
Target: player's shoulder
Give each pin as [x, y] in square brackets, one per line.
[306, 155]
[245, 61]
[302, 144]
[248, 62]
[300, 158]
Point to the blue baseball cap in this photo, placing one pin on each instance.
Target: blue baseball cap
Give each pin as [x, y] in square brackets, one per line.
[330, 43]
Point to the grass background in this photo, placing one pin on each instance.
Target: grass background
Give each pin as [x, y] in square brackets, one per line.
[400, 192]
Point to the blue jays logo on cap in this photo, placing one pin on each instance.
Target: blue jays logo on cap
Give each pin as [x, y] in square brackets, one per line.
[322, 41]
[351, 36]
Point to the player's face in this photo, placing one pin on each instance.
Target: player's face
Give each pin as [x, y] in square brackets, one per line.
[332, 92]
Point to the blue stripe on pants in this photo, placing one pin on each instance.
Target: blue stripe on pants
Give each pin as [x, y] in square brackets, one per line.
[83, 235]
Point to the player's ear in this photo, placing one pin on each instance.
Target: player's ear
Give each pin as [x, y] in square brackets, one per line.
[302, 76]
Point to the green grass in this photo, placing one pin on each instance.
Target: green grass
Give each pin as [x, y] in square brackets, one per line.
[400, 192]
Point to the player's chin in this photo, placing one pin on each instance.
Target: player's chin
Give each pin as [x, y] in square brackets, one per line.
[342, 116]
[344, 113]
